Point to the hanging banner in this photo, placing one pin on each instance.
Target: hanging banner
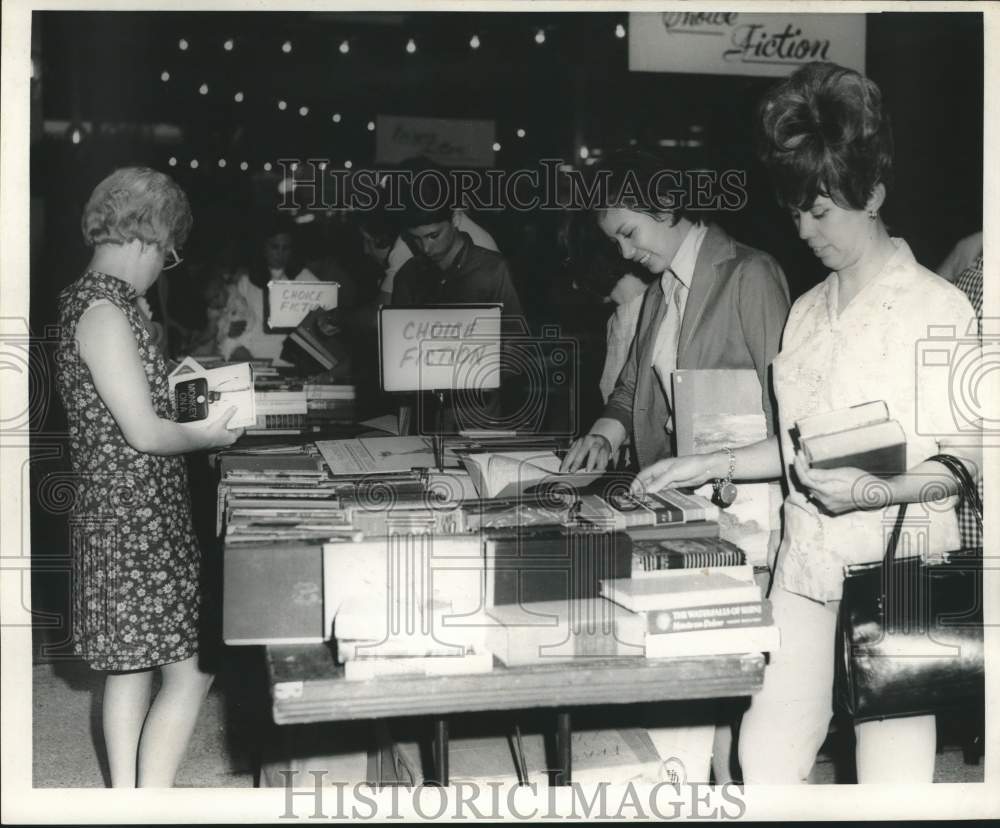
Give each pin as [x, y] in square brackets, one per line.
[449, 142]
[735, 43]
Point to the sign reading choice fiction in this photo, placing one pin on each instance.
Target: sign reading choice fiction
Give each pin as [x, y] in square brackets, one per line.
[449, 142]
[735, 43]
[451, 348]
[289, 301]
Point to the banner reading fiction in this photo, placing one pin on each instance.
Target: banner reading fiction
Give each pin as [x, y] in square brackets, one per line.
[447, 141]
[735, 43]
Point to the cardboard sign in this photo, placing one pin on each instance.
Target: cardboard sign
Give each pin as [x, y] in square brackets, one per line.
[446, 348]
[449, 142]
[736, 43]
[290, 301]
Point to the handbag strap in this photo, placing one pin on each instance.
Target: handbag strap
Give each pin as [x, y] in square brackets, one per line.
[967, 490]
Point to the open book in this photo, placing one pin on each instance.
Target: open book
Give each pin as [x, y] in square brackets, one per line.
[516, 472]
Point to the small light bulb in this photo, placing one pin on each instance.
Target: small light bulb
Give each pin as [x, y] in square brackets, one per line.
[203, 89]
[244, 166]
[228, 45]
[194, 163]
[172, 162]
[619, 31]
[238, 97]
[496, 146]
[521, 133]
[345, 47]
[540, 36]
[348, 164]
[164, 76]
[411, 46]
[371, 126]
[336, 117]
[584, 152]
[293, 166]
[322, 165]
[222, 162]
[286, 47]
[474, 42]
[303, 111]
[267, 166]
[76, 136]
[282, 106]
[182, 44]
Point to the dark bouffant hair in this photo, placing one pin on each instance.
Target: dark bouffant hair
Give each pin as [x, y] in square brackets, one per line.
[822, 131]
[646, 181]
[137, 203]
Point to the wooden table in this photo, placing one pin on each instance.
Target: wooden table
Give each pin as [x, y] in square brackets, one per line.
[307, 685]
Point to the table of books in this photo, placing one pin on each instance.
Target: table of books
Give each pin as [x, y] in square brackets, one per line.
[315, 537]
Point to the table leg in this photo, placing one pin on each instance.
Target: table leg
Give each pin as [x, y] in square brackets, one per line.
[564, 752]
[441, 751]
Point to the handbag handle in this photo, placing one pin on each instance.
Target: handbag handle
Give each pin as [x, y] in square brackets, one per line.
[967, 491]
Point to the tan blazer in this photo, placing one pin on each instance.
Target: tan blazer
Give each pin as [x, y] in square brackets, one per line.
[733, 318]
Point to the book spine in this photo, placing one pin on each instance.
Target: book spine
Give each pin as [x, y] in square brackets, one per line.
[718, 616]
[675, 559]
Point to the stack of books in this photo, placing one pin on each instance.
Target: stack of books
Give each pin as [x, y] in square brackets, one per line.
[861, 436]
[669, 508]
[651, 556]
[288, 406]
[267, 499]
[692, 612]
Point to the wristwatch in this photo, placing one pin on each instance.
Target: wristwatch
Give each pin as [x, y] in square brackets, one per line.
[725, 490]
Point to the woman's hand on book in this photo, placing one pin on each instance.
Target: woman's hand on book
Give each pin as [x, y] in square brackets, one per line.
[218, 432]
[592, 452]
[675, 472]
[841, 490]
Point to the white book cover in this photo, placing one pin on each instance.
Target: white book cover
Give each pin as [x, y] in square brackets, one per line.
[201, 395]
[724, 641]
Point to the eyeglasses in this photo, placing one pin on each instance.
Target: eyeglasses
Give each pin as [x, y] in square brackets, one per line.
[176, 259]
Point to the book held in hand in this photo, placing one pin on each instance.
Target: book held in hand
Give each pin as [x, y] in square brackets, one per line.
[860, 436]
[202, 395]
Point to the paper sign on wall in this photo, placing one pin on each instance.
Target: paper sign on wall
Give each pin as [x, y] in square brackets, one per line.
[736, 43]
[449, 347]
[449, 142]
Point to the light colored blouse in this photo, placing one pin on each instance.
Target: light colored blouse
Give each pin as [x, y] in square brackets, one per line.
[872, 350]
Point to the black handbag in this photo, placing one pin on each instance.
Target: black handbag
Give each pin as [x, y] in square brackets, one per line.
[910, 633]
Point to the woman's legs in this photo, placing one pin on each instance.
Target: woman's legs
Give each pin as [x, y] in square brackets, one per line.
[788, 718]
[899, 751]
[171, 722]
[126, 702]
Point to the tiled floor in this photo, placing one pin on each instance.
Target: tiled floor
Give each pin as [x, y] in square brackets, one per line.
[233, 725]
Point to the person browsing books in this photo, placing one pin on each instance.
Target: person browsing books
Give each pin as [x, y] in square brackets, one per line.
[852, 339]
[136, 561]
[717, 304]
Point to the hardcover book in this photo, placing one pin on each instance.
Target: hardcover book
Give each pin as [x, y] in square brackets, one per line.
[669, 591]
[860, 436]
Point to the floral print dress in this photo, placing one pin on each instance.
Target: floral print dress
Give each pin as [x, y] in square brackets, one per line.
[136, 561]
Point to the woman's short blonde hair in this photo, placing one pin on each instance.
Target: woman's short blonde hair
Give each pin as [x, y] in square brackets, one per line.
[137, 203]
